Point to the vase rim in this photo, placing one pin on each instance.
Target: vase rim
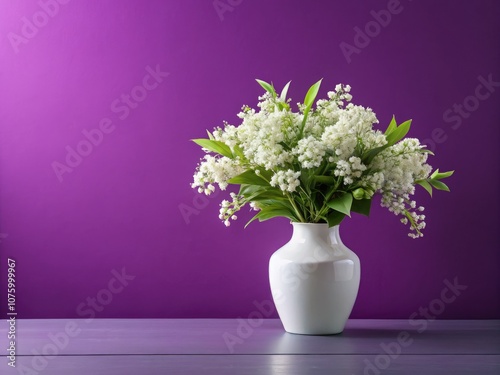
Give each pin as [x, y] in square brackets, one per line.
[299, 223]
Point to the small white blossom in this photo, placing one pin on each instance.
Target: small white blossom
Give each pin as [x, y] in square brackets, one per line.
[310, 152]
[350, 170]
[286, 180]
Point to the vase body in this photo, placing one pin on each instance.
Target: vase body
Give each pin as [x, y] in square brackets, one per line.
[314, 280]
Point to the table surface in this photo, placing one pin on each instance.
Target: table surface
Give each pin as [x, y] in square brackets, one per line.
[242, 346]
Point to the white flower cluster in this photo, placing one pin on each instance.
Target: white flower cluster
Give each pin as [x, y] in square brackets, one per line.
[373, 180]
[350, 169]
[228, 209]
[402, 205]
[403, 164]
[262, 134]
[228, 135]
[286, 180]
[215, 170]
[333, 142]
[310, 152]
[352, 131]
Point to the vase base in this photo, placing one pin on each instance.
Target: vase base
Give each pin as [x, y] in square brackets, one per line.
[304, 333]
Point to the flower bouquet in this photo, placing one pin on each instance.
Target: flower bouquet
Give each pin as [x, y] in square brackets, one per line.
[317, 164]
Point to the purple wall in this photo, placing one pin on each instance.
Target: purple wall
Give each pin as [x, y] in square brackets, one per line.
[63, 71]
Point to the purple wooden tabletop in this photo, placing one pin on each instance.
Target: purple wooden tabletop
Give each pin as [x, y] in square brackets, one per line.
[230, 346]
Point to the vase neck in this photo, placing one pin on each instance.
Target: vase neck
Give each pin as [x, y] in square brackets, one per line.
[335, 235]
[305, 232]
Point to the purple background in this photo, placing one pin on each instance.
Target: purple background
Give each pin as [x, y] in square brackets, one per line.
[121, 206]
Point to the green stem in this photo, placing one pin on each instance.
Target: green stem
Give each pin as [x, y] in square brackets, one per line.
[324, 208]
[299, 215]
[412, 222]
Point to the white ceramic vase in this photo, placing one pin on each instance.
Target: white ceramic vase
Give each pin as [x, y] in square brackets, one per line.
[314, 280]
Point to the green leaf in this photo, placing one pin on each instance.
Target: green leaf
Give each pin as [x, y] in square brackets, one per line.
[426, 151]
[439, 176]
[249, 190]
[370, 155]
[258, 193]
[392, 126]
[214, 146]
[308, 102]
[425, 185]
[239, 152]
[268, 87]
[311, 94]
[285, 146]
[328, 180]
[335, 218]
[399, 133]
[342, 204]
[434, 174]
[284, 92]
[248, 178]
[393, 134]
[268, 196]
[362, 206]
[276, 205]
[210, 136]
[439, 185]
[267, 213]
